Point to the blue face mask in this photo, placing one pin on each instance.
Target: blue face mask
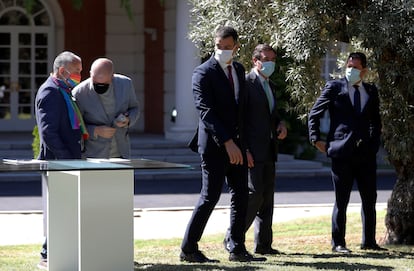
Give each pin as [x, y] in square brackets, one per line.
[352, 75]
[268, 67]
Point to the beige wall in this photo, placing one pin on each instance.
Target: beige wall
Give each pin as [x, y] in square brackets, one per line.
[125, 45]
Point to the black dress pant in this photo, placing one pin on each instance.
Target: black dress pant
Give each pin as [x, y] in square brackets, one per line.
[361, 168]
[261, 203]
[216, 169]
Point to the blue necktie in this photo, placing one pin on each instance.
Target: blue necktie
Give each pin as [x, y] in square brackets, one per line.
[357, 99]
[269, 94]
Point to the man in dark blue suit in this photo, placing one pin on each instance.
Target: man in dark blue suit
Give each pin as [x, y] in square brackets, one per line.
[60, 136]
[352, 143]
[218, 88]
[59, 126]
[264, 127]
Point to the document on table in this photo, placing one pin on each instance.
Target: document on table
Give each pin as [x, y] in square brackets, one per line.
[113, 160]
[23, 161]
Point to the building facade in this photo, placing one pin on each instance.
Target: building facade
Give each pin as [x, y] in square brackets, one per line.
[150, 46]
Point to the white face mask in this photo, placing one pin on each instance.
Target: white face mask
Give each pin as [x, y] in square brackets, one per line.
[352, 75]
[223, 56]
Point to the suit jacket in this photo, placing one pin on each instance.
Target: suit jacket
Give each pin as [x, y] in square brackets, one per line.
[261, 124]
[220, 115]
[57, 138]
[348, 130]
[94, 115]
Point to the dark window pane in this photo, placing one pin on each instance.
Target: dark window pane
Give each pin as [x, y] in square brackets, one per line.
[14, 17]
[4, 112]
[42, 19]
[41, 39]
[41, 53]
[4, 81]
[4, 54]
[41, 68]
[39, 81]
[6, 98]
[24, 97]
[24, 112]
[37, 6]
[24, 68]
[4, 38]
[24, 54]
[24, 83]
[4, 69]
[25, 39]
[8, 3]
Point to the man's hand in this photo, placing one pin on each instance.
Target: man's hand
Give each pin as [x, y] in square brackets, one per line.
[122, 120]
[234, 153]
[104, 131]
[282, 131]
[250, 160]
[321, 146]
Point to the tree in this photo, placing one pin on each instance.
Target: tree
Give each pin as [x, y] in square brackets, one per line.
[307, 30]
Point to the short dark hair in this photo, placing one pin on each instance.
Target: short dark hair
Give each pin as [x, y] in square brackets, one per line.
[225, 32]
[260, 48]
[360, 56]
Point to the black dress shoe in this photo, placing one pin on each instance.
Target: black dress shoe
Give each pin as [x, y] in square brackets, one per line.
[245, 257]
[341, 249]
[268, 251]
[195, 257]
[373, 247]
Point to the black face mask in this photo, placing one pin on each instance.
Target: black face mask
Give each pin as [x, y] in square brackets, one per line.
[100, 88]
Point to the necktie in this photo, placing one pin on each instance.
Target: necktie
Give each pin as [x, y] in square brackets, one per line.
[357, 99]
[269, 94]
[231, 82]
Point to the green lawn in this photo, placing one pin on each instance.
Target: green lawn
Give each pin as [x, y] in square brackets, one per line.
[304, 242]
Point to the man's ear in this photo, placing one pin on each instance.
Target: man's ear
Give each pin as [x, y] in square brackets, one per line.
[363, 72]
[61, 71]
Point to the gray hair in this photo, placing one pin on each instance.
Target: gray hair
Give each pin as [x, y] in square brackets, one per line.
[63, 59]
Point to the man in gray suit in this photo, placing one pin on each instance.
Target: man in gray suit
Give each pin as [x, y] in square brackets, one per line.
[264, 128]
[109, 107]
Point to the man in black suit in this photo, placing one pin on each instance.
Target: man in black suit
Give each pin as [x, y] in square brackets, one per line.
[263, 128]
[218, 88]
[352, 143]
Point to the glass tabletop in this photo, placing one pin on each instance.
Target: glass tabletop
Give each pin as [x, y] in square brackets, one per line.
[17, 165]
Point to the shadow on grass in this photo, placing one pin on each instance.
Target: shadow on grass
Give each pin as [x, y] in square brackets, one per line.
[349, 266]
[389, 254]
[192, 267]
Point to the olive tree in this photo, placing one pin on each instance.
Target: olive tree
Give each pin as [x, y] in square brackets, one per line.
[307, 30]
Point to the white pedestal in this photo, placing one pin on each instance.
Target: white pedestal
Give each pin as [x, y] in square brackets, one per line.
[90, 220]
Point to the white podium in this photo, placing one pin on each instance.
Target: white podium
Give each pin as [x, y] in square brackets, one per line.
[90, 218]
[90, 208]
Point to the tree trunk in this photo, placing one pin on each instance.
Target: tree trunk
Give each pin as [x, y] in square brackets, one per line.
[399, 220]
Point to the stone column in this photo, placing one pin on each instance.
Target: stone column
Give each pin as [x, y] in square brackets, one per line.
[186, 59]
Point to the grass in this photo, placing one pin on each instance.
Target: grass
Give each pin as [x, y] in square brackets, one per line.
[305, 244]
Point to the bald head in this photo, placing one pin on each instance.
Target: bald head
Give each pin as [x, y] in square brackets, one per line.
[102, 71]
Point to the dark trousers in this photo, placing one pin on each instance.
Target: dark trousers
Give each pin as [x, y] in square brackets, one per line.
[261, 203]
[361, 168]
[216, 169]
